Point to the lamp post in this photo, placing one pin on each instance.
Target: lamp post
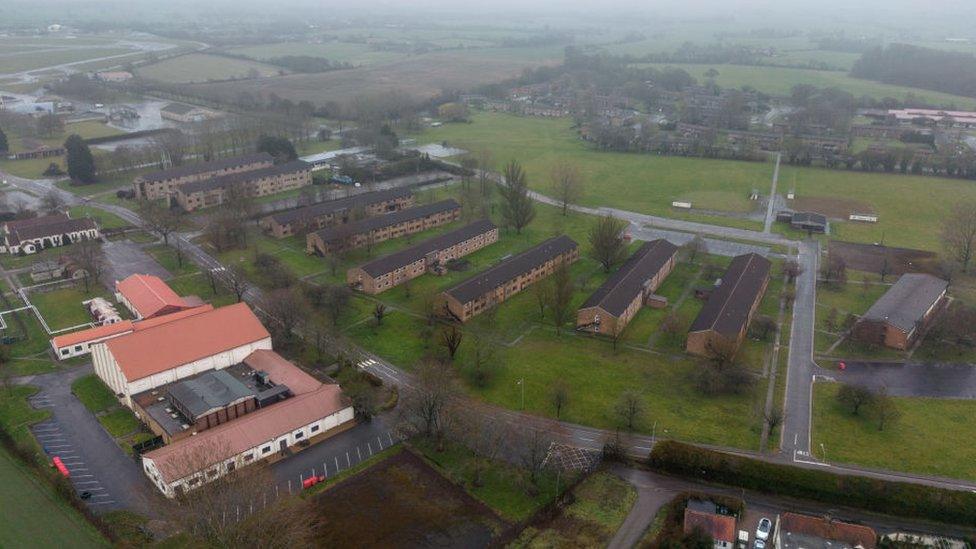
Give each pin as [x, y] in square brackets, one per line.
[521, 384]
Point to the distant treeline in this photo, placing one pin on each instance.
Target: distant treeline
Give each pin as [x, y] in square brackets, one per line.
[307, 63]
[926, 68]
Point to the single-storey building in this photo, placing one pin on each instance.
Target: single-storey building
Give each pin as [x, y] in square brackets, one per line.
[240, 416]
[148, 296]
[28, 236]
[163, 183]
[388, 271]
[170, 350]
[899, 317]
[336, 212]
[180, 112]
[721, 528]
[382, 227]
[511, 276]
[206, 193]
[612, 306]
[805, 532]
[722, 323]
[808, 221]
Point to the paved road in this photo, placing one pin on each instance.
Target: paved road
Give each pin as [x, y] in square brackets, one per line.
[919, 380]
[714, 246]
[799, 379]
[771, 203]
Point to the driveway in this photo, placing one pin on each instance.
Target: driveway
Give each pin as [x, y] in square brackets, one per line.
[917, 380]
[97, 465]
[124, 258]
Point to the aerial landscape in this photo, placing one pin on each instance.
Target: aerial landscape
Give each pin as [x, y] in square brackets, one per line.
[515, 274]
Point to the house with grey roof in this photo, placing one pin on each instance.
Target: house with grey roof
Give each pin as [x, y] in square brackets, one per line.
[722, 323]
[899, 317]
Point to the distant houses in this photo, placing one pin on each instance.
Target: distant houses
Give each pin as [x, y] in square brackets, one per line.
[372, 230]
[163, 183]
[497, 284]
[431, 255]
[904, 312]
[28, 236]
[336, 212]
[614, 304]
[722, 323]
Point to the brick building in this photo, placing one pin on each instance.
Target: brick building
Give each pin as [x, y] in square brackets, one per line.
[506, 279]
[614, 304]
[899, 317]
[336, 212]
[721, 325]
[32, 235]
[376, 229]
[211, 192]
[163, 183]
[428, 256]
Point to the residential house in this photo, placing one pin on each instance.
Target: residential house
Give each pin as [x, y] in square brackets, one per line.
[721, 528]
[797, 531]
[28, 236]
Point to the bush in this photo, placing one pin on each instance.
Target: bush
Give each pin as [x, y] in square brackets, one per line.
[893, 498]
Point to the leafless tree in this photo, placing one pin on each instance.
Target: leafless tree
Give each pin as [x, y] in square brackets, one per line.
[561, 298]
[450, 338]
[484, 357]
[885, 409]
[533, 448]
[379, 311]
[337, 299]
[559, 396]
[959, 233]
[486, 163]
[543, 293]
[424, 407]
[567, 184]
[159, 218]
[288, 309]
[792, 270]
[88, 255]
[672, 325]
[774, 418]
[52, 201]
[855, 397]
[695, 247]
[235, 279]
[607, 243]
[630, 409]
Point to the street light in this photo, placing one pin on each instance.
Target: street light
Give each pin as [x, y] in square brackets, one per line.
[521, 383]
[823, 450]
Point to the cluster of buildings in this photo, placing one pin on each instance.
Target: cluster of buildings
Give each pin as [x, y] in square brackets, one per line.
[208, 184]
[336, 212]
[207, 382]
[372, 230]
[31, 235]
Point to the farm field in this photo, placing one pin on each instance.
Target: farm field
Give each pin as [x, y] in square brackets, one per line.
[344, 52]
[924, 440]
[38, 519]
[780, 80]
[200, 67]
[43, 59]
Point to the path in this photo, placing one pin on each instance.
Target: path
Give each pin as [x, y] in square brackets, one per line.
[770, 214]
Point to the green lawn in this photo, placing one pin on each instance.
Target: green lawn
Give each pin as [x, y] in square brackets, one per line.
[34, 516]
[93, 393]
[929, 438]
[63, 308]
[119, 423]
[40, 60]
[356, 54]
[852, 297]
[17, 415]
[105, 220]
[199, 67]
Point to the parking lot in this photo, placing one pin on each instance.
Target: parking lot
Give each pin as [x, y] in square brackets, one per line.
[124, 258]
[56, 443]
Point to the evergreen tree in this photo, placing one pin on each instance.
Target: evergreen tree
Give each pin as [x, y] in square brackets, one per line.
[279, 147]
[4, 147]
[81, 164]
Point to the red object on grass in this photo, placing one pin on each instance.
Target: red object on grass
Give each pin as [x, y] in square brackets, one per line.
[312, 481]
[842, 365]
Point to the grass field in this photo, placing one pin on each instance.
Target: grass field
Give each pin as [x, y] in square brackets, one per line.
[780, 81]
[105, 220]
[39, 518]
[42, 59]
[345, 52]
[199, 67]
[925, 440]
[62, 308]
[93, 393]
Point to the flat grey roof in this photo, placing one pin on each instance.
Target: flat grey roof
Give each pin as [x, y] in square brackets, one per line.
[906, 303]
[215, 389]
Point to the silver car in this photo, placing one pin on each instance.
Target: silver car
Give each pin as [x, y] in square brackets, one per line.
[762, 532]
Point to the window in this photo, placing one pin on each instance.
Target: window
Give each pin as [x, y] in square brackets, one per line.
[65, 351]
[194, 481]
[265, 450]
[314, 429]
[248, 457]
[77, 347]
[299, 435]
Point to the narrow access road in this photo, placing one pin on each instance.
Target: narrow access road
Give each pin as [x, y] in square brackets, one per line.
[770, 214]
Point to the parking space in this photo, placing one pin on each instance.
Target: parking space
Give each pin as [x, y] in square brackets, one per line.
[749, 523]
[57, 443]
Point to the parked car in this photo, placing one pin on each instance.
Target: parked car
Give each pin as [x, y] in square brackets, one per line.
[759, 544]
[762, 531]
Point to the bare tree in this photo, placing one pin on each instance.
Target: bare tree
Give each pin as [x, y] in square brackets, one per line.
[159, 218]
[885, 409]
[337, 299]
[379, 311]
[567, 184]
[517, 207]
[630, 408]
[792, 270]
[542, 293]
[533, 447]
[854, 397]
[607, 241]
[424, 407]
[451, 338]
[235, 280]
[561, 298]
[695, 247]
[287, 308]
[52, 201]
[559, 396]
[774, 418]
[484, 357]
[88, 255]
[486, 163]
[959, 233]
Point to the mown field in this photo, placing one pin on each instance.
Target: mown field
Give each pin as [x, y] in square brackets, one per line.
[199, 67]
[910, 208]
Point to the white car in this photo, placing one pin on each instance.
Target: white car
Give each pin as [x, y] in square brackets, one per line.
[762, 531]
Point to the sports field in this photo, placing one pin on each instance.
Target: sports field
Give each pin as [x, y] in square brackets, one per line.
[198, 67]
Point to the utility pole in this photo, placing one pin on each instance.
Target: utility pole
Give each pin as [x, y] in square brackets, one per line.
[521, 384]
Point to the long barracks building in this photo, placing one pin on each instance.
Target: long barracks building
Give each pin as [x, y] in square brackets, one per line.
[508, 278]
[256, 183]
[428, 256]
[721, 325]
[336, 212]
[163, 183]
[382, 227]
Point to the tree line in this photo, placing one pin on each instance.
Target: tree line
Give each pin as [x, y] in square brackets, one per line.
[918, 67]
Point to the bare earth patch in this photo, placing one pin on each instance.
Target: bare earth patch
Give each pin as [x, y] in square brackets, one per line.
[871, 258]
[837, 208]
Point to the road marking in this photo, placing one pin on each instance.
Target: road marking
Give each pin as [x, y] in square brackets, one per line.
[101, 502]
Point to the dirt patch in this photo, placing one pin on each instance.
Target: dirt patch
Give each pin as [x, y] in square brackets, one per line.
[871, 258]
[837, 208]
[402, 502]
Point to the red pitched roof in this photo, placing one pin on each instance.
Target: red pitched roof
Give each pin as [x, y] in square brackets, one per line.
[191, 454]
[92, 334]
[718, 527]
[165, 346]
[149, 295]
[855, 535]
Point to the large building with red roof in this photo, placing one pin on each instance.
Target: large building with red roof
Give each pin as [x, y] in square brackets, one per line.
[148, 296]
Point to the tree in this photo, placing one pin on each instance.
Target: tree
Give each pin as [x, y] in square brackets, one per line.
[235, 279]
[542, 293]
[485, 164]
[607, 241]
[695, 247]
[792, 270]
[533, 448]
[451, 338]
[4, 146]
[630, 408]
[336, 301]
[453, 112]
[567, 184]
[81, 164]
[288, 308]
[762, 327]
[159, 218]
[561, 296]
[52, 201]
[959, 233]
[517, 207]
[484, 358]
[363, 397]
[278, 147]
[854, 397]
[88, 256]
[885, 409]
[424, 407]
[379, 311]
[774, 418]
[559, 396]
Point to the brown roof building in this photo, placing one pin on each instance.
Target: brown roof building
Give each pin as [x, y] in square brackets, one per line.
[428, 256]
[899, 317]
[336, 212]
[47, 231]
[806, 532]
[507, 278]
[614, 304]
[378, 228]
[163, 183]
[721, 325]
[721, 528]
[206, 193]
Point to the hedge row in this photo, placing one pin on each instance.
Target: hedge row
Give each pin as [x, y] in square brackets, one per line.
[892, 498]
